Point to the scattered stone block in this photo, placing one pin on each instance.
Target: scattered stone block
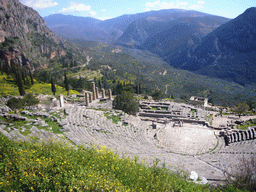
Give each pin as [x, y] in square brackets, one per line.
[5, 109]
[2, 126]
[192, 176]
[65, 128]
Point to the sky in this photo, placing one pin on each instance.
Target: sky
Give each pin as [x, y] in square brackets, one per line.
[106, 9]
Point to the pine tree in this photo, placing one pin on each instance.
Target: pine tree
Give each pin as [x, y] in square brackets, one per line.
[53, 86]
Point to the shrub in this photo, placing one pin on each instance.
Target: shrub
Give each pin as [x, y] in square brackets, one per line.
[126, 102]
[157, 95]
[15, 103]
[241, 108]
[28, 100]
[245, 174]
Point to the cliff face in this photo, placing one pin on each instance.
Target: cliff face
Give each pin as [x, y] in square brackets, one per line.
[25, 36]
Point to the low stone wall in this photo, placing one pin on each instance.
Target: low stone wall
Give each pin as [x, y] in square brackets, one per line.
[173, 118]
[160, 115]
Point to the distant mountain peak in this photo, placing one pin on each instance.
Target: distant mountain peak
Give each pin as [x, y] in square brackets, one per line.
[250, 10]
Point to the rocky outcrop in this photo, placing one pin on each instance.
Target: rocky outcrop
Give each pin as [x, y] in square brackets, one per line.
[18, 20]
[24, 36]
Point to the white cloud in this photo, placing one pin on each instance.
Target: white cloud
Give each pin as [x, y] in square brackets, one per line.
[75, 7]
[201, 2]
[195, 7]
[103, 10]
[93, 13]
[104, 18]
[152, 5]
[39, 4]
[165, 5]
[182, 4]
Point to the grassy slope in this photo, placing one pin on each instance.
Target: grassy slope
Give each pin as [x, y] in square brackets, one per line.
[57, 167]
[8, 87]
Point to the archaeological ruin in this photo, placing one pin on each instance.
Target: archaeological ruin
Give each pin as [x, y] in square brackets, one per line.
[187, 136]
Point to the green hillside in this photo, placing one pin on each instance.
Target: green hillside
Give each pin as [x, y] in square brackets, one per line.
[138, 66]
[9, 87]
[33, 166]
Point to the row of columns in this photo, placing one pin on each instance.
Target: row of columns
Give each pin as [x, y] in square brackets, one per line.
[89, 97]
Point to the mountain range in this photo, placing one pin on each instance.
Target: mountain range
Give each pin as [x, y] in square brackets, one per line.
[189, 40]
[227, 52]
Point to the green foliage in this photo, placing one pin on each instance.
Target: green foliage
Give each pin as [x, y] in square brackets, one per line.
[157, 95]
[115, 118]
[8, 43]
[9, 87]
[20, 83]
[246, 124]
[27, 100]
[66, 83]
[58, 167]
[126, 102]
[15, 103]
[145, 97]
[241, 108]
[53, 86]
[30, 100]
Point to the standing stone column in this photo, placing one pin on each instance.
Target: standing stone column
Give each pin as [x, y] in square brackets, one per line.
[109, 94]
[103, 93]
[61, 101]
[97, 92]
[90, 97]
[86, 99]
[93, 91]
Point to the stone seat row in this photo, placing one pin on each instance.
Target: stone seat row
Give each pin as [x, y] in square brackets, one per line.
[117, 138]
[248, 134]
[243, 147]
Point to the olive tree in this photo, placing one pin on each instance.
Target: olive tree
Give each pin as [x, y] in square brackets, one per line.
[241, 108]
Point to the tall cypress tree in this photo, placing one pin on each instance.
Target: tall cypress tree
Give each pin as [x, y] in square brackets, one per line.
[66, 83]
[31, 77]
[53, 86]
[20, 83]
